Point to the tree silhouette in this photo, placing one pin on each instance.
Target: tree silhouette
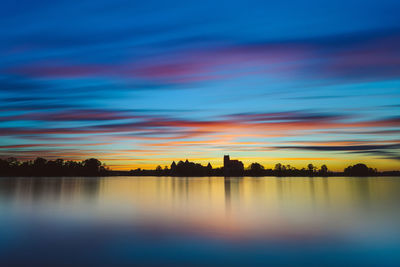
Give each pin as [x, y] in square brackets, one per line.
[93, 167]
[278, 167]
[58, 167]
[360, 169]
[256, 169]
[324, 170]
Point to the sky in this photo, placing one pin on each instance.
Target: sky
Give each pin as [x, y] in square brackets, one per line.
[138, 84]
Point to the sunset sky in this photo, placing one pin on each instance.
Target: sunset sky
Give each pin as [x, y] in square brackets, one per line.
[143, 83]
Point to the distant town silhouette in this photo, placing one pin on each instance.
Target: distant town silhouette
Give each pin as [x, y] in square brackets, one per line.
[231, 168]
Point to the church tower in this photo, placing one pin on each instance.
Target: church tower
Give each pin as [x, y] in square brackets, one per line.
[226, 161]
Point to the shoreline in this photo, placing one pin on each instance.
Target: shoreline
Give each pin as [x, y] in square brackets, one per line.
[198, 176]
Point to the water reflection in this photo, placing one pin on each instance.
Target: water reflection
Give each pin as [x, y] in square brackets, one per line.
[32, 190]
[211, 196]
[336, 213]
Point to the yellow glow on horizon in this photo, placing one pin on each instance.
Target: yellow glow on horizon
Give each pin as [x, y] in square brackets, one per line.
[333, 163]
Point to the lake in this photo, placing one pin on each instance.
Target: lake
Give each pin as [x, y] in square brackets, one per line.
[204, 221]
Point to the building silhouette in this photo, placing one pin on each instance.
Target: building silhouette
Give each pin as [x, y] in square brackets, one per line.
[233, 167]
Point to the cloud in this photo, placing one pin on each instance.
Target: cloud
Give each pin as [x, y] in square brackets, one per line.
[287, 116]
[342, 148]
[76, 115]
[364, 132]
[377, 150]
[367, 55]
[51, 145]
[120, 121]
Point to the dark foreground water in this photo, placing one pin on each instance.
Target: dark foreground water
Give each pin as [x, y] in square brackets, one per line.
[200, 221]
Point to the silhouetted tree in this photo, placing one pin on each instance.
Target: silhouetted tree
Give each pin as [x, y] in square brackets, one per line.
[283, 168]
[159, 170]
[173, 168]
[91, 166]
[255, 169]
[311, 169]
[278, 167]
[324, 170]
[359, 169]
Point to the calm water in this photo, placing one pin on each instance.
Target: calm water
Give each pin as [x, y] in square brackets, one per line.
[200, 221]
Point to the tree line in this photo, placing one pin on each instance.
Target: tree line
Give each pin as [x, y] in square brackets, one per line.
[58, 167]
[94, 167]
[187, 168]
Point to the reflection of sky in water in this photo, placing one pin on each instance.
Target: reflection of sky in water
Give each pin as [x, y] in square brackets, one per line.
[200, 220]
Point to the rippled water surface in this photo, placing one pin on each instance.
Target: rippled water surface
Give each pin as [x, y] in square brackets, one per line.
[200, 221]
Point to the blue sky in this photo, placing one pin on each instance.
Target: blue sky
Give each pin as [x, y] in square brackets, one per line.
[137, 84]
